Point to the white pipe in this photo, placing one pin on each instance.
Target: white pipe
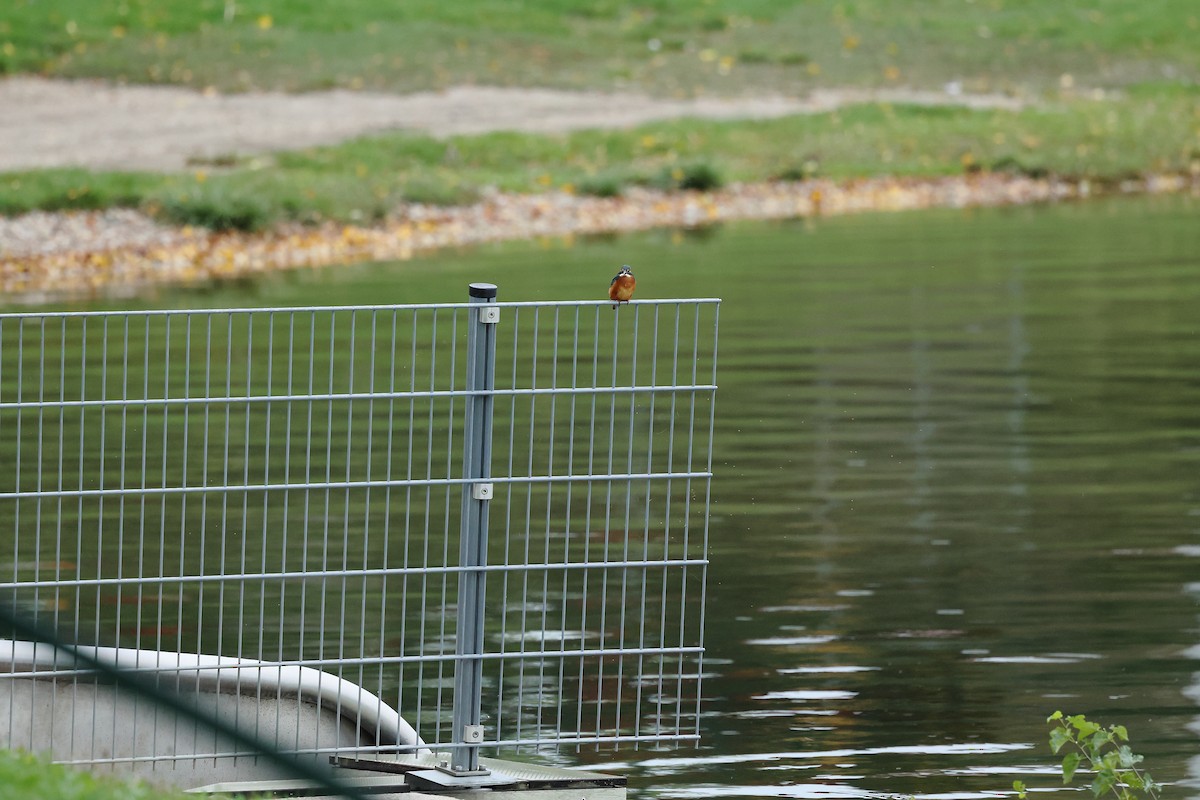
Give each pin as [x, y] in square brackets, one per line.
[328, 691]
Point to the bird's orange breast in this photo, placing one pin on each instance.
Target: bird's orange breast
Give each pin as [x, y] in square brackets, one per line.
[622, 288]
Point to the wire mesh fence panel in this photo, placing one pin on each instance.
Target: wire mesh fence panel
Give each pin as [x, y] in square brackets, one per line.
[606, 437]
[285, 487]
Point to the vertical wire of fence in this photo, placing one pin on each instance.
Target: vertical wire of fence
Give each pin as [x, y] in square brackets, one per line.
[286, 487]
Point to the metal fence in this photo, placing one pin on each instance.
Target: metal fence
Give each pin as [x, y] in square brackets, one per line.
[488, 517]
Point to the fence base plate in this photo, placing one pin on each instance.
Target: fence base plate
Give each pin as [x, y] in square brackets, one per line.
[504, 778]
[434, 779]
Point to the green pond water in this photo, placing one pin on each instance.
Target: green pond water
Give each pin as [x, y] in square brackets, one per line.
[957, 485]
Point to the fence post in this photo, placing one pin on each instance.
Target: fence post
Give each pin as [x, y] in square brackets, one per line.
[477, 493]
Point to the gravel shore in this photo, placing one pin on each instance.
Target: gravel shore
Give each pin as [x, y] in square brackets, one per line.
[45, 256]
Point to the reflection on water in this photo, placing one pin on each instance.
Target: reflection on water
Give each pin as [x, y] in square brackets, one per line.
[958, 487]
[969, 465]
[963, 469]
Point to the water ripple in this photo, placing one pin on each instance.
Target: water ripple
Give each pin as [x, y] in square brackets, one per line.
[804, 695]
[669, 765]
[1049, 658]
[830, 669]
[791, 640]
[802, 791]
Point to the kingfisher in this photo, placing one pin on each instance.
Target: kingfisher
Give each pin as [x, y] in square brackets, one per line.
[622, 286]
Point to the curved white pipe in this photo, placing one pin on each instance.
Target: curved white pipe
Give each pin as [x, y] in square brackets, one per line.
[329, 691]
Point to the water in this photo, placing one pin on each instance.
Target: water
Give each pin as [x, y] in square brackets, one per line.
[957, 490]
[958, 486]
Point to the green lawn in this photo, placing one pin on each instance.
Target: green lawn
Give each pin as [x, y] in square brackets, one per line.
[26, 777]
[669, 46]
[1114, 87]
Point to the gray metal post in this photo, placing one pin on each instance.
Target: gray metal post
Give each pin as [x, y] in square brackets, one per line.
[477, 493]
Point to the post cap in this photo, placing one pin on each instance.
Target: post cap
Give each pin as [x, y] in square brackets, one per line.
[487, 291]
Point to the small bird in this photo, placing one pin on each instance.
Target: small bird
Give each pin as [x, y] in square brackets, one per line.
[622, 286]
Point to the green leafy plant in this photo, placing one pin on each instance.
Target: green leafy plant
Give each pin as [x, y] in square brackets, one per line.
[216, 210]
[699, 176]
[1104, 752]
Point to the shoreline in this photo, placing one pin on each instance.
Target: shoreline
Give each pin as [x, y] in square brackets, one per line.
[58, 256]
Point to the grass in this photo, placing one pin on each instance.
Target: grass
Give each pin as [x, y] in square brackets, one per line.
[27, 777]
[667, 46]
[1056, 54]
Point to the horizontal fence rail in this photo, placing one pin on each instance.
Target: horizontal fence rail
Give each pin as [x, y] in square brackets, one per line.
[290, 488]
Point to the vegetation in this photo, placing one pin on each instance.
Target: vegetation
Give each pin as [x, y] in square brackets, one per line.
[27, 777]
[1105, 752]
[1112, 90]
[361, 180]
[667, 46]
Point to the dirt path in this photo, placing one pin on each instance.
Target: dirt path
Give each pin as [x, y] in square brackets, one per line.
[50, 123]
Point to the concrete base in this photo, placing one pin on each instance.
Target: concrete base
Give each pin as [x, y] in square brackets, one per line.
[415, 777]
[104, 730]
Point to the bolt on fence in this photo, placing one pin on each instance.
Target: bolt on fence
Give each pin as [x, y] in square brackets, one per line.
[496, 544]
